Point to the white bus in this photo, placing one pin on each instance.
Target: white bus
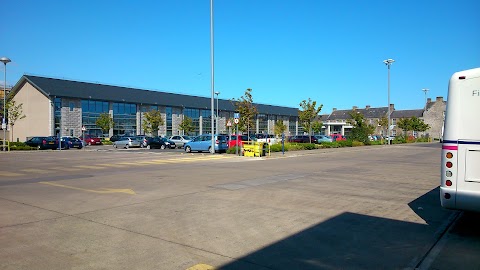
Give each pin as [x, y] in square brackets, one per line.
[460, 174]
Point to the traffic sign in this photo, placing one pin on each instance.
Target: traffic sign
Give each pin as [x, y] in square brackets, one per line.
[236, 120]
[229, 123]
[84, 128]
[236, 115]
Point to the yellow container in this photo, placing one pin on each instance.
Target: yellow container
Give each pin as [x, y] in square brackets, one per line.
[254, 150]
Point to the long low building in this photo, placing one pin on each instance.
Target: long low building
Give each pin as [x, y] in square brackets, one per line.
[57, 106]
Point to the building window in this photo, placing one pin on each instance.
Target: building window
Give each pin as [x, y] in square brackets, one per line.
[292, 125]
[91, 110]
[168, 112]
[206, 121]
[262, 123]
[58, 114]
[125, 118]
[193, 114]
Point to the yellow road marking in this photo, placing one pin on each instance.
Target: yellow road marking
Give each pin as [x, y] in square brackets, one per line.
[201, 266]
[103, 191]
[113, 165]
[66, 169]
[35, 170]
[93, 167]
[4, 173]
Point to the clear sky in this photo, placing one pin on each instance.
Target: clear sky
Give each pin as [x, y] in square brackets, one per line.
[285, 50]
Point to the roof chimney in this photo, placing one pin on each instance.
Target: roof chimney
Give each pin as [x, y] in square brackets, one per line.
[429, 100]
[440, 99]
[392, 108]
[334, 109]
[367, 107]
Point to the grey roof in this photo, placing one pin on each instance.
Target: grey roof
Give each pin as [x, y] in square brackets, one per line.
[84, 90]
[407, 113]
[368, 113]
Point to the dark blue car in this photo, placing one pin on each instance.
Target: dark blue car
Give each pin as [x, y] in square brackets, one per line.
[71, 142]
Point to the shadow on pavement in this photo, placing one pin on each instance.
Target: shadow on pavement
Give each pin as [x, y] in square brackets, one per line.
[355, 241]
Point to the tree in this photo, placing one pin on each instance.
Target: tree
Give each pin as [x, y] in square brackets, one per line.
[104, 122]
[15, 113]
[405, 124]
[187, 125]
[279, 127]
[361, 129]
[248, 111]
[317, 126]
[383, 122]
[417, 124]
[308, 113]
[152, 121]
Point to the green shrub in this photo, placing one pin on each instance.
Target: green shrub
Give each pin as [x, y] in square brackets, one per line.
[347, 143]
[357, 143]
[294, 146]
[309, 146]
[376, 143]
[107, 142]
[330, 144]
[233, 150]
[277, 147]
[20, 146]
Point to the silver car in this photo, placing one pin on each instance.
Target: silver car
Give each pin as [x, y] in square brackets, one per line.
[126, 142]
[180, 140]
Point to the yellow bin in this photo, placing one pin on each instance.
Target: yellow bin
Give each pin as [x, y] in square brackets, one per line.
[254, 150]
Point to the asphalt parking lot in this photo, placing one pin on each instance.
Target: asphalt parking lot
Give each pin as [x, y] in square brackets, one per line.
[350, 208]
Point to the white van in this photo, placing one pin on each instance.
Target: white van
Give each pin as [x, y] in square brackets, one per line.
[460, 168]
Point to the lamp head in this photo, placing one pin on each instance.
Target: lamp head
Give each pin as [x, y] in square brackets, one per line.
[5, 60]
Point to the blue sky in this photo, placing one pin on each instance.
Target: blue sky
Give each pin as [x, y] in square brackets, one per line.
[285, 50]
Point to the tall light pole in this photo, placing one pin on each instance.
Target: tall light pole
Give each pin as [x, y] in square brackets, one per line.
[212, 104]
[425, 90]
[5, 61]
[216, 119]
[388, 62]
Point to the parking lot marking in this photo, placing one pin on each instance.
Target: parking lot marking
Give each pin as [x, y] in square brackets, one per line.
[102, 191]
[113, 165]
[35, 171]
[92, 167]
[10, 174]
[201, 266]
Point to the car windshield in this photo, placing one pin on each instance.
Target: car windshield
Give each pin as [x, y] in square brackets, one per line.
[187, 138]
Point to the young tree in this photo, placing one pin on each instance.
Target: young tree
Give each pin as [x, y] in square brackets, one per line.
[308, 113]
[383, 123]
[248, 111]
[15, 113]
[417, 124]
[317, 126]
[152, 121]
[104, 122]
[187, 125]
[405, 124]
[361, 129]
[279, 127]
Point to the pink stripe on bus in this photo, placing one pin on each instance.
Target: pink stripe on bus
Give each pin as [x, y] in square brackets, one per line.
[450, 147]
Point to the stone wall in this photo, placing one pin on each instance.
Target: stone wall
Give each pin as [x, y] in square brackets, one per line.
[434, 116]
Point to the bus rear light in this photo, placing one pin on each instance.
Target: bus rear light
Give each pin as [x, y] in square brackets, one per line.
[449, 155]
[461, 78]
[448, 183]
[448, 173]
[449, 164]
[447, 196]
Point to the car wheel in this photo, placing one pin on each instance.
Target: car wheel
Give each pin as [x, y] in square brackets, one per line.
[210, 149]
[89, 143]
[126, 146]
[188, 149]
[148, 147]
[80, 147]
[114, 145]
[39, 147]
[162, 146]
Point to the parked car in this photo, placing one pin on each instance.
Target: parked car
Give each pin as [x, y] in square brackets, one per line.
[115, 137]
[204, 143]
[338, 137]
[303, 139]
[323, 138]
[180, 140]
[72, 142]
[237, 140]
[159, 142]
[143, 140]
[91, 140]
[126, 142]
[42, 142]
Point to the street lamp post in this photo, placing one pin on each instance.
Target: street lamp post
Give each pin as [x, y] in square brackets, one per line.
[388, 62]
[216, 119]
[425, 90]
[212, 78]
[5, 61]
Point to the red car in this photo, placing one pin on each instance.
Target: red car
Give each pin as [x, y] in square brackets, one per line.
[90, 140]
[237, 140]
[338, 137]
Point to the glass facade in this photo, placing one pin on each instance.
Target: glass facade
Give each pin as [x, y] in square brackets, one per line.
[292, 126]
[125, 118]
[206, 121]
[57, 114]
[262, 123]
[168, 121]
[91, 110]
[193, 114]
